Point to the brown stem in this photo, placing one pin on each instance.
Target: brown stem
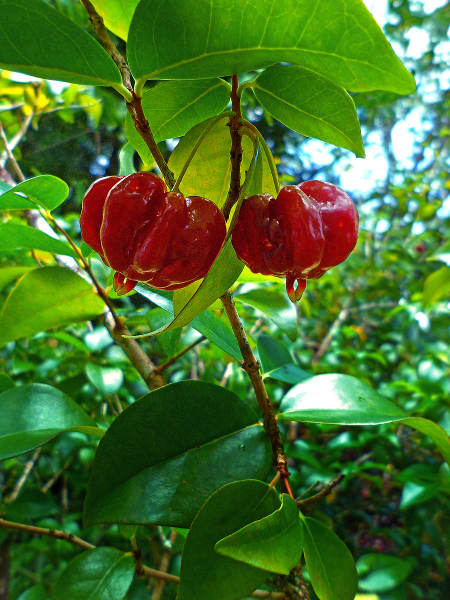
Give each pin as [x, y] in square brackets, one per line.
[164, 566]
[342, 316]
[251, 366]
[323, 492]
[134, 105]
[163, 366]
[108, 44]
[22, 479]
[10, 155]
[236, 149]
[76, 541]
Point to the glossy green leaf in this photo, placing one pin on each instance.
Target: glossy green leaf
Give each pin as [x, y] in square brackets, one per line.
[38, 40]
[14, 236]
[338, 399]
[154, 463]
[174, 107]
[272, 353]
[436, 286]
[338, 39]
[208, 323]
[33, 414]
[310, 105]
[274, 305]
[45, 190]
[382, 572]
[418, 493]
[344, 400]
[330, 564]
[37, 592]
[433, 431]
[64, 297]
[116, 14]
[107, 380]
[205, 574]
[209, 172]
[10, 274]
[6, 382]
[274, 543]
[100, 574]
[288, 374]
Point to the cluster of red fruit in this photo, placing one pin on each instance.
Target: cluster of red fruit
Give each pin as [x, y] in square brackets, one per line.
[168, 241]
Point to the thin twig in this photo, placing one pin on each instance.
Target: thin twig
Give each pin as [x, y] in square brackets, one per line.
[10, 155]
[163, 366]
[251, 366]
[77, 541]
[342, 316]
[236, 149]
[22, 479]
[323, 492]
[164, 566]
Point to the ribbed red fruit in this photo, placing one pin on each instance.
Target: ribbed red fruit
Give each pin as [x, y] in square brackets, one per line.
[148, 234]
[300, 234]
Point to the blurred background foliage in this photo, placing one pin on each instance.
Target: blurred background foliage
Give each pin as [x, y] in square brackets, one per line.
[382, 316]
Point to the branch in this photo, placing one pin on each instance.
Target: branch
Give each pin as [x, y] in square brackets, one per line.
[133, 101]
[323, 492]
[10, 155]
[77, 541]
[342, 316]
[251, 366]
[22, 479]
[163, 366]
[236, 150]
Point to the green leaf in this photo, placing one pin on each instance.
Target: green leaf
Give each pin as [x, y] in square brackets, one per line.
[329, 562]
[338, 399]
[418, 493]
[154, 463]
[288, 374]
[208, 174]
[310, 105]
[45, 190]
[100, 574]
[339, 40]
[64, 297]
[116, 14]
[276, 306]
[37, 592]
[436, 286]
[34, 414]
[10, 274]
[433, 431]
[272, 353]
[344, 400]
[382, 572]
[38, 40]
[14, 236]
[31, 504]
[205, 574]
[274, 543]
[208, 323]
[174, 107]
[6, 382]
[107, 380]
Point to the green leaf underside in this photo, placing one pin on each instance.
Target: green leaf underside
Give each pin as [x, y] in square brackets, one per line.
[100, 574]
[14, 236]
[174, 107]
[338, 399]
[46, 190]
[34, 414]
[337, 38]
[274, 543]
[310, 105]
[344, 400]
[116, 14]
[64, 297]
[330, 563]
[208, 323]
[154, 463]
[37, 40]
[276, 306]
[205, 574]
[382, 572]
